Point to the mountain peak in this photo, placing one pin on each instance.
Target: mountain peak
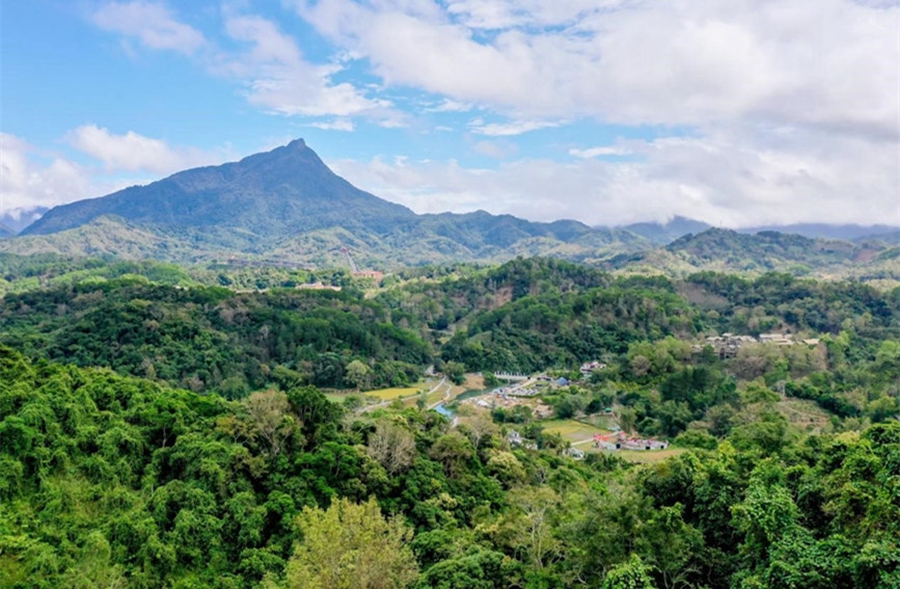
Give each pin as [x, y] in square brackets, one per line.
[281, 192]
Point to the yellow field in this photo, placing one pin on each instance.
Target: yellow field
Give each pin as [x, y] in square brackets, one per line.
[646, 457]
[393, 393]
[571, 430]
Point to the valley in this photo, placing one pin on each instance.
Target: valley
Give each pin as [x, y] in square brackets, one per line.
[186, 417]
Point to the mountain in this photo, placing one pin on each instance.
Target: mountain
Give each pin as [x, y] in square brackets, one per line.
[663, 234]
[15, 220]
[733, 251]
[825, 231]
[6, 231]
[285, 191]
[666, 233]
[287, 205]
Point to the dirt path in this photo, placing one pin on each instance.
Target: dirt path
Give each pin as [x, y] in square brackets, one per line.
[447, 393]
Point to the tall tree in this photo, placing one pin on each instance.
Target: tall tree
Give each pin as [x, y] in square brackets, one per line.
[350, 546]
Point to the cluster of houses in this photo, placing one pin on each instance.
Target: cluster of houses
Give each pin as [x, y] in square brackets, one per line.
[620, 441]
[728, 344]
[588, 368]
[515, 439]
[508, 399]
[317, 286]
[613, 441]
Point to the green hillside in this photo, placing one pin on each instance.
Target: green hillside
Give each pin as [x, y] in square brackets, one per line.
[723, 250]
[781, 472]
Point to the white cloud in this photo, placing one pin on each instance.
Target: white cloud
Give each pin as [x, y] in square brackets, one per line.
[279, 79]
[717, 180]
[28, 180]
[829, 63]
[496, 149]
[599, 151]
[504, 14]
[335, 125]
[448, 105]
[790, 108]
[152, 23]
[271, 69]
[512, 128]
[133, 152]
[30, 177]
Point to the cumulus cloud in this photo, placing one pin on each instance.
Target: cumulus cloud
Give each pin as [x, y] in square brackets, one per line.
[29, 179]
[448, 105]
[134, 152]
[790, 109]
[823, 62]
[496, 149]
[335, 125]
[152, 23]
[278, 78]
[599, 151]
[512, 128]
[718, 180]
[270, 66]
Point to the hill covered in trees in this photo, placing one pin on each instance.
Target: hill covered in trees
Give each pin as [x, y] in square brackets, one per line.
[123, 482]
[286, 207]
[289, 205]
[160, 429]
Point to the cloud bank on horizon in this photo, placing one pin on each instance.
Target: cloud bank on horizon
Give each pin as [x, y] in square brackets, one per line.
[734, 112]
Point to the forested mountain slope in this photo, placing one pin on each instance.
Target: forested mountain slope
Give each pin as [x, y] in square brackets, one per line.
[122, 482]
[287, 204]
[723, 250]
[211, 337]
[783, 476]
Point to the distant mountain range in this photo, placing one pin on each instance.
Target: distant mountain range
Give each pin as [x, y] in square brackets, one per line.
[725, 250]
[15, 220]
[666, 233]
[287, 206]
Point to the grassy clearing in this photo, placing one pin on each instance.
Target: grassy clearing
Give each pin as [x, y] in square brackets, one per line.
[435, 397]
[646, 457]
[571, 430]
[473, 382]
[393, 393]
[336, 397]
[805, 414]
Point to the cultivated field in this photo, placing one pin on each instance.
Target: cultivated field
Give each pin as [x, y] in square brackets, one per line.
[573, 431]
[646, 457]
[393, 393]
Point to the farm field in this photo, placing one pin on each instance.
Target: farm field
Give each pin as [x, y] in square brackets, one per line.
[572, 430]
[646, 457]
[337, 397]
[394, 393]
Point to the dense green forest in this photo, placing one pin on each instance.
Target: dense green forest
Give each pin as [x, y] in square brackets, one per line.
[159, 429]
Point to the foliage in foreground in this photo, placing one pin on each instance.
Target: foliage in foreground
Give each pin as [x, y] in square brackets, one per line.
[119, 482]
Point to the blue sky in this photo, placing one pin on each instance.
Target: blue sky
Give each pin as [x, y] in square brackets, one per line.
[735, 112]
